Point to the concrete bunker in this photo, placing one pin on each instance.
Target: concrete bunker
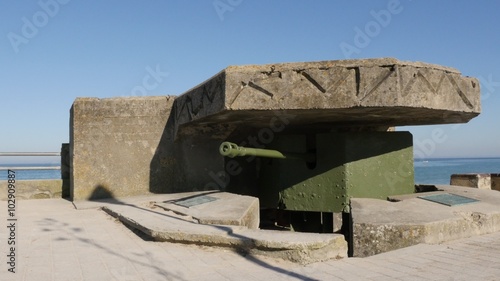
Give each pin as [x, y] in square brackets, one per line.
[340, 113]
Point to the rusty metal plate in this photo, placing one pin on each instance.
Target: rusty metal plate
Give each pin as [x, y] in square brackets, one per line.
[194, 201]
[448, 199]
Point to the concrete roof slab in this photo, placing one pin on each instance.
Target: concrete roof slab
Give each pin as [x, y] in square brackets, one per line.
[382, 91]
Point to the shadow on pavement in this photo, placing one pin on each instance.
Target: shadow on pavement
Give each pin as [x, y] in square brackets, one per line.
[100, 191]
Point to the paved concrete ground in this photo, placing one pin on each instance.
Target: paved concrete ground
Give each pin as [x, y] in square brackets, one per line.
[57, 242]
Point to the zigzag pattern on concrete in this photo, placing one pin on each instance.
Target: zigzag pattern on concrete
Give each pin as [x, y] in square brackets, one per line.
[383, 90]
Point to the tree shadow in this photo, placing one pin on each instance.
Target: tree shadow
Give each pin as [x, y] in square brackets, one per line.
[100, 190]
[50, 224]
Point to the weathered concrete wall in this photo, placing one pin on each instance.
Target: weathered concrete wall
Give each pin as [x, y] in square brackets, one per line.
[112, 145]
[495, 182]
[34, 189]
[481, 181]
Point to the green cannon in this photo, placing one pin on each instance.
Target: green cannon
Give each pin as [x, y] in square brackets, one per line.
[232, 150]
[317, 175]
[322, 174]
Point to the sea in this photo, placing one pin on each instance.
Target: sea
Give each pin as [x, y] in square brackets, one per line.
[427, 171]
[439, 170]
[30, 174]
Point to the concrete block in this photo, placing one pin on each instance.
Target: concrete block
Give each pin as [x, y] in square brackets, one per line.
[113, 143]
[380, 226]
[481, 181]
[495, 182]
[226, 209]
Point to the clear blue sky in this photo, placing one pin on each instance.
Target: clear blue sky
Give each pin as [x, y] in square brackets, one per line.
[52, 51]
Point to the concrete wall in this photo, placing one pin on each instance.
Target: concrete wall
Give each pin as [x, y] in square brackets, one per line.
[495, 182]
[481, 181]
[112, 145]
[34, 189]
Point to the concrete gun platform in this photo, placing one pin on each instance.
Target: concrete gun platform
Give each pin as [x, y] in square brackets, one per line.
[381, 226]
[58, 243]
[382, 91]
[159, 218]
[378, 226]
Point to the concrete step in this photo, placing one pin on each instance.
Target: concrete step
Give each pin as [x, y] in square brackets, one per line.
[163, 225]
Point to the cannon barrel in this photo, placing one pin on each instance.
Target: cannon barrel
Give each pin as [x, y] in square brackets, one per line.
[232, 150]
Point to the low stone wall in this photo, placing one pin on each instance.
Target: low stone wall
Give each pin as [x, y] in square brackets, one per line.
[34, 189]
[495, 182]
[112, 145]
[481, 181]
